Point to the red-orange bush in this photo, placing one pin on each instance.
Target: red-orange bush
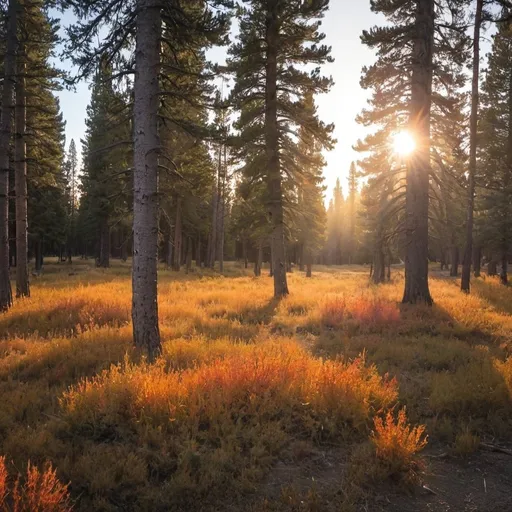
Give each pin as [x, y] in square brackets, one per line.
[272, 381]
[40, 492]
[364, 310]
[396, 443]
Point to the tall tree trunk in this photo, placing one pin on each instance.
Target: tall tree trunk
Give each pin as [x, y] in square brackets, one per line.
[20, 180]
[274, 185]
[309, 262]
[7, 107]
[39, 259]
[418, 169]
[442, 259]
[124, 246]
[169, 258]
[258, 260]
[198, 251]
[213, 234]
[146, 333]
[104, 259]
[492, 268]
[221, 234]
[468, 248]
[504, 268]
[454, 261]
[379, 266]
[477, 260]
[301, 258]
[188, 263]
[244, 250]
[178, 238]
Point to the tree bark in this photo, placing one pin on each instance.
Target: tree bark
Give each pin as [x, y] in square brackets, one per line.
[504, 268]
[274, 184]
[309, 263]
[468, 249]
[39, 255]
[379, 266]
[198, 251]
[477, 260]
[104, 259]
[178, 238]
[146, 332]
[20, 180]
[454, 261]
[8, 85]
[244, 249]
[188, 264]
[213, 234]
[492, 268]
[418, 169]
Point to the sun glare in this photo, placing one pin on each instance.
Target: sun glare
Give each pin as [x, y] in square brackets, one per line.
[403, 143]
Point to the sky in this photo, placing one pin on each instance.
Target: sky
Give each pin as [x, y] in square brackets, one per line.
[342, 25]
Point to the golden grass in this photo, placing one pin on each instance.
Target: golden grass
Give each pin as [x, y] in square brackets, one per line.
[38, 491]
[241, 377]
[397, 442]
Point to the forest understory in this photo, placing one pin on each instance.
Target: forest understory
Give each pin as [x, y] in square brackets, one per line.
[320, 401]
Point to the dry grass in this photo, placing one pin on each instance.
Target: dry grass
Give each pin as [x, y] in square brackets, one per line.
[396, 442]
[38, 491]
[241, 378]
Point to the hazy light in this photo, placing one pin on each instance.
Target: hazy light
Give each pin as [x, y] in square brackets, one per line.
[403, 143]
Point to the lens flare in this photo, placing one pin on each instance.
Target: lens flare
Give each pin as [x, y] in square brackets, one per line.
[403, 143]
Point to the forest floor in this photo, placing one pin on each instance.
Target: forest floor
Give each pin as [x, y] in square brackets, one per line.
[312, 403]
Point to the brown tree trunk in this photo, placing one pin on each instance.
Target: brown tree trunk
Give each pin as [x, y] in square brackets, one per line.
[274, 186]
[213, 234]
[443, 259]
[20, 180]
[169, 252]
[198, 251]
[418, 168]
[301, 258]
[188, 263]
[379, 266]
[468, 249]
[492, 269]
[146, 332]
[504, 268]
[244, 250]
[454, 261]
[178, 238]
[7, 107]
[38, 255]
[104, 259]
[477, 260]
[309, 263]
[259, 260]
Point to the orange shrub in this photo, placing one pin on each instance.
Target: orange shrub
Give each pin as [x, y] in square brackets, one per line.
[367, 311]
[271, 380]
[396, 443]
[41, 491]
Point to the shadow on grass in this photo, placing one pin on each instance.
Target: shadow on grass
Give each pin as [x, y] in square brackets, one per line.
[497, 295]
[261, 315]
[62, 320]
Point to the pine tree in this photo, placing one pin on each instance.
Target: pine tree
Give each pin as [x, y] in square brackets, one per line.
[145, 20]
[496, 151]
[411, 81]
[105, 182]
[5, 136]
[276, 37]
[352, 193]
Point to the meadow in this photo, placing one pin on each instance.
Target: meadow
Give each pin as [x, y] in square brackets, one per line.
[335, 398]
